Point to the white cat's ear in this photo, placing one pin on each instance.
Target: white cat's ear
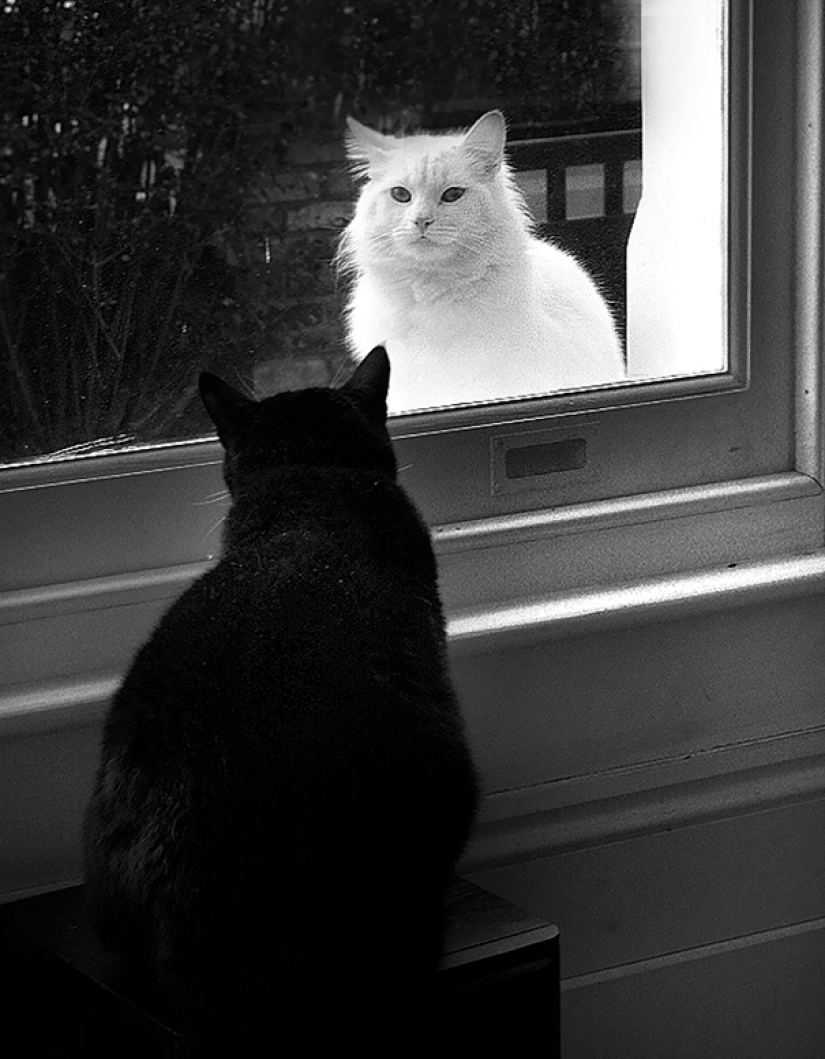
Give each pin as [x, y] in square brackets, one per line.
[369, 384]
[223, 403]
[486, 139]
[366, 148]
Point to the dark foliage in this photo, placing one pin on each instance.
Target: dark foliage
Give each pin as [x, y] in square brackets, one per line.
[132, 132]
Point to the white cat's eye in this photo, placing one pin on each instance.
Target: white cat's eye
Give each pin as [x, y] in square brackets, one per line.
[400, 194]
[452, 194]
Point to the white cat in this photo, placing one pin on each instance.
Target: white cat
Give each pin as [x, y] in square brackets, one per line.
[470, 305]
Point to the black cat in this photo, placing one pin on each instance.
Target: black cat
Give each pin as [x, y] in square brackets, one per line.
[284, 783]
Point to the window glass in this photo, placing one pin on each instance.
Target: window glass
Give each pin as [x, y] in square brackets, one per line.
[175, 182]
[676, 275]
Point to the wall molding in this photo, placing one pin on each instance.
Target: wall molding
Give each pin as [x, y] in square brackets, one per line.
[700, 952]
[71, 703]
[638, 602]
[58, 698]
[553, 616]
[580, 811]
[100, 593]
[553, 817]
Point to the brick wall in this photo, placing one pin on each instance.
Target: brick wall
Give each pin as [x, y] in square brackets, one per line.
[298, 203]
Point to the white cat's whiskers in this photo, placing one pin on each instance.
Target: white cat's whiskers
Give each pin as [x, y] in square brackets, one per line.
[381, 241]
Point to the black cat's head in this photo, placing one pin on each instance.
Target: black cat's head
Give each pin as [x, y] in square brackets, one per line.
[345, 427]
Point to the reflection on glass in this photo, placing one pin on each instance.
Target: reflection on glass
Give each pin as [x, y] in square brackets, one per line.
[167, 209]
[584, 191]
[676, 254]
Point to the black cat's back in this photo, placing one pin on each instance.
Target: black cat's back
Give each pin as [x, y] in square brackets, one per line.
[284, 783]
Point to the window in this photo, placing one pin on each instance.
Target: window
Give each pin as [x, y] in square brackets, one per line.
[170, 211]
[527, 499]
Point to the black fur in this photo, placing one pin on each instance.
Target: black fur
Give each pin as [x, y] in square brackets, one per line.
[284, 783]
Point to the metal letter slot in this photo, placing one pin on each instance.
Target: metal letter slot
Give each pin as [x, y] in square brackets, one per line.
[540, 460]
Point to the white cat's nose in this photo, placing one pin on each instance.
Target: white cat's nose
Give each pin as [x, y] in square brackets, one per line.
[423, 223]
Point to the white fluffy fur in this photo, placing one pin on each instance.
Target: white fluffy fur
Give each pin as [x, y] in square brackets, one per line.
[469, 304]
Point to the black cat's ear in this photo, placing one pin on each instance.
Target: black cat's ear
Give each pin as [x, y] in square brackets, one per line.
[223, 403]
[369, 384]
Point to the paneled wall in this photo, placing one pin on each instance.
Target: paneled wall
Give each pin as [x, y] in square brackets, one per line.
[657, 791]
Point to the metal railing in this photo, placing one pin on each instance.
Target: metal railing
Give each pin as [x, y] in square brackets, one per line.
[598, 238]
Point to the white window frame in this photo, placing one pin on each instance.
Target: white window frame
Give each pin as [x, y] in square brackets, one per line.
[697, 492]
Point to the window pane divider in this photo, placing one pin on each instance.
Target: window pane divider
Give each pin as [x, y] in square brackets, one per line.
[809, 334]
